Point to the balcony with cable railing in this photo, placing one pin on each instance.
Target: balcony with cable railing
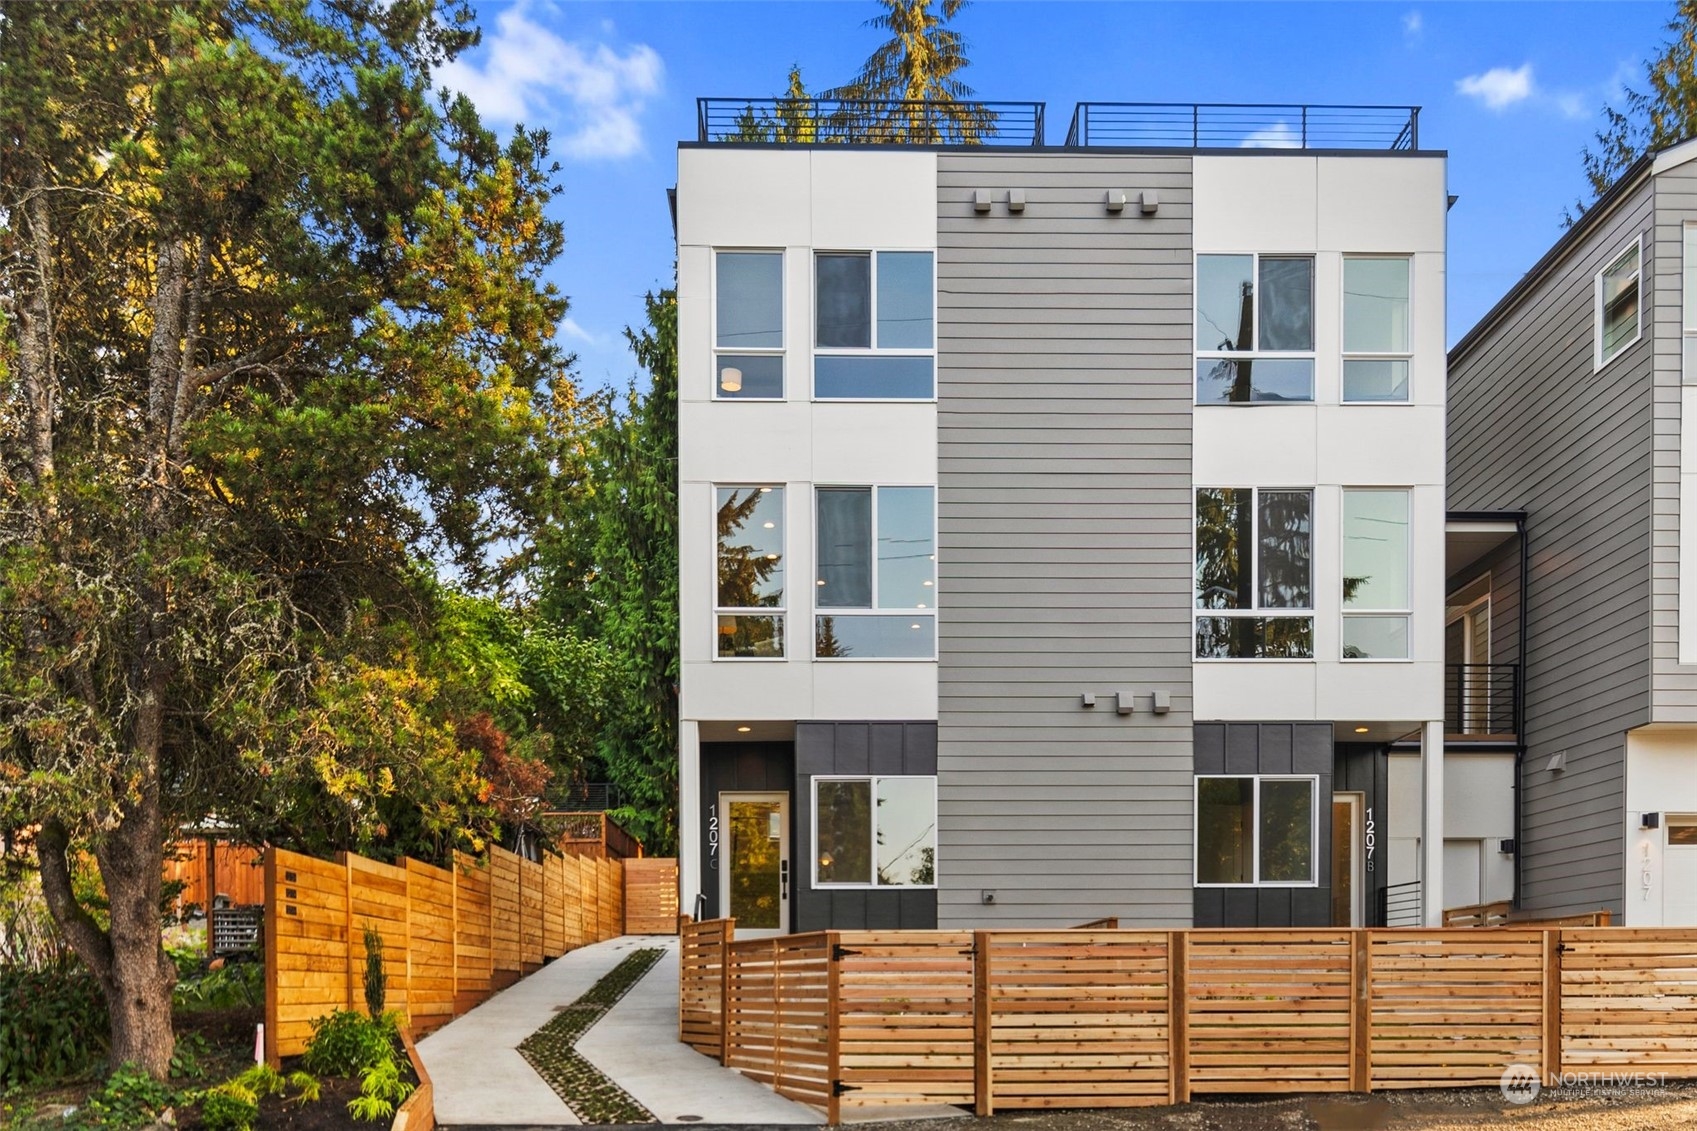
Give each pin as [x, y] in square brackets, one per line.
[1482, 703]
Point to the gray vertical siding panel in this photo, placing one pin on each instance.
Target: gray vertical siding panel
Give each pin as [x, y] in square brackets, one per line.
[1532, 427]
[1064, 431]
[1674, 699]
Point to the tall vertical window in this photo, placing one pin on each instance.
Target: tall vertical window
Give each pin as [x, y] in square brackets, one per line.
[1617, 305]
[1689, 321]
[1254, 574]
[1254, 328]
[748, 335]
[877, 553]
[1375, 574]
[1255, 830]
[750, 604]
[1377, 338]
[874, 326]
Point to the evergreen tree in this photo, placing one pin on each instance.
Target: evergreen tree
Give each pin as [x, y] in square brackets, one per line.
[1654, 118]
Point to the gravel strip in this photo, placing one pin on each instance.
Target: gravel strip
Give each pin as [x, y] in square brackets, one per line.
[552, 1049]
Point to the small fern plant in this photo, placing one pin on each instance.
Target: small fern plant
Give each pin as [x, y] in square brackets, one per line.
[380, 1089]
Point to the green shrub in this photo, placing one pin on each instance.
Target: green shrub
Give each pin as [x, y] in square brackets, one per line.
[129, 1098]
[346, 1043]
[236, 984]
[229, 1107]
[53, 1023]
[188, 1057]
[380, 1089]
[376, 982]
[305, 1086]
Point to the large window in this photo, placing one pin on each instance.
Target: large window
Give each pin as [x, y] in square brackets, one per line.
[1375, 574]
[877, 553]
[1255, 829]
[1254, 573]
[750, 603]
[1617, 305]
[875, 832]
[748, 338]
[874, 326]
[1254, 328]
[1688, 356]
[1377, 340]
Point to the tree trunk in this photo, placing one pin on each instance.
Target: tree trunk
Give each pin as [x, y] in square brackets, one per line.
[139, 982]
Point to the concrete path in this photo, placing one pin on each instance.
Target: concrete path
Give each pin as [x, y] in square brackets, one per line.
[636, 1045]
[481, 1079]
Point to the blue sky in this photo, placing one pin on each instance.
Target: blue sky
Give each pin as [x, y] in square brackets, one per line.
[1512, 90]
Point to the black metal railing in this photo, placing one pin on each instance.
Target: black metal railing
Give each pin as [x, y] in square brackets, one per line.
[1482, 699]
[1186, 125]
[1399, 905]
[859, 121]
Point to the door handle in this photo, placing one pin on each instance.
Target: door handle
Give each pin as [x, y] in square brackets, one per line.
[783, 879]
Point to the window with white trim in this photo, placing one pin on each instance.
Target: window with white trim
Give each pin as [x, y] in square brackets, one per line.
[1375, 573]
[876, 587]
[1254, 573]
[748, 332]
[875, 831]
[1254, 328]
[874, 325]
[1688, 354]
[749, 603]
[1377, 334]
[1618, 323]
[1256, 830]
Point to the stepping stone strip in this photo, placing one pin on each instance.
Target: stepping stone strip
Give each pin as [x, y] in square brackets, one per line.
[552, 1049]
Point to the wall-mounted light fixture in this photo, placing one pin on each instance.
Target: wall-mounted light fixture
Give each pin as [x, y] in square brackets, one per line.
[730, 380]
[981, 200]
[1016, 200]
[1506, 846]
[1649, 820]
[1116, 200]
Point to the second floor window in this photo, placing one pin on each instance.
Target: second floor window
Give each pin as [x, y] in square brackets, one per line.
[749, 607]
[874, 326]
[748, 335]
[1254, 328]
[1254, 574]
[1375, 574]
[1377, 340]
[1617, 305]
[875, 594]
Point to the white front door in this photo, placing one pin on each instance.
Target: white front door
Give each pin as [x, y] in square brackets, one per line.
[754, 881]
[1679, 873]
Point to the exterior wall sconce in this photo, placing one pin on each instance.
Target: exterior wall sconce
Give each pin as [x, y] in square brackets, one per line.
[1116, 200]
[1149, 202]
[1649, 820]
[1506, 846]
[1016, 200]
[981, 200]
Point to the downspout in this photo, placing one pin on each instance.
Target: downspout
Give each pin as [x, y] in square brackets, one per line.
[1520, 703]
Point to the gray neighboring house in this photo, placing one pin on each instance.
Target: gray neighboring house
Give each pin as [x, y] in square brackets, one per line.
[1573, 597]
[1062, 526]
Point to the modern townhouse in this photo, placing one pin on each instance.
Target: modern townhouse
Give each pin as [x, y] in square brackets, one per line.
[1062, 526]
[1578, 625]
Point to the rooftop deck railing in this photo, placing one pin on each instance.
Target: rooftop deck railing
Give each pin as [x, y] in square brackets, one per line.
[1183, 125]
[859, 121]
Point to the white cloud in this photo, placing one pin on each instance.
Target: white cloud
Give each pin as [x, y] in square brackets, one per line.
[1413, 24]
[1499, 87]
[1571, 106]
[590, 94]
[570, 329]
[1279, 135]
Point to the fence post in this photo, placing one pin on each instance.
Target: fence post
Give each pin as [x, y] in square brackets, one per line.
[346, 859]
[833, 1033]
[270, 944]
[1361, 1012]
[725, 992]
[983, 1092]
[1178, 1017]
[406, 932]
[454, 930]
[1552, 1007]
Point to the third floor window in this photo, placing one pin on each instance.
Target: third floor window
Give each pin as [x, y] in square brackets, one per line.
[874, 326]
[1254, 328]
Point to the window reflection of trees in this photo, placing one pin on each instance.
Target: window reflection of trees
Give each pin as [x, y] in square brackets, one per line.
[1276, 526]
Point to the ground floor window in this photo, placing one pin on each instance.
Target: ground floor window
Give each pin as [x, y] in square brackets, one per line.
[1255, 829]
[875, 831]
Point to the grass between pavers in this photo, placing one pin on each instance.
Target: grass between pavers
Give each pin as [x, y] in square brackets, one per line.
[552, 1049]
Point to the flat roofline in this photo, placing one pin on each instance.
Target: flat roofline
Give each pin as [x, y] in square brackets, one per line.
[1068, 150]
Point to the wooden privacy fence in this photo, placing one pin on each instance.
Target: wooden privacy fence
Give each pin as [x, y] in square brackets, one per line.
[210, 868]
[849, 1020]
[451, 936]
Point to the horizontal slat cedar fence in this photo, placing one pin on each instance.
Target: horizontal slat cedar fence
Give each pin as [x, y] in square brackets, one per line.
[1092, 1018]
[451, 936]
[651, 896]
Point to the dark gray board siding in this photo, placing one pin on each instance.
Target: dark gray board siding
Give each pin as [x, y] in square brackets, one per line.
[1502, 567]
[1362, 768]
[1271, 748]
[737, 767]
[1064, 431]
[1532, 427]
[1674, 695]
[858, 748]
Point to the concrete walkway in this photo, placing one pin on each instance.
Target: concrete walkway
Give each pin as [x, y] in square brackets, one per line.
[481, 1079]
